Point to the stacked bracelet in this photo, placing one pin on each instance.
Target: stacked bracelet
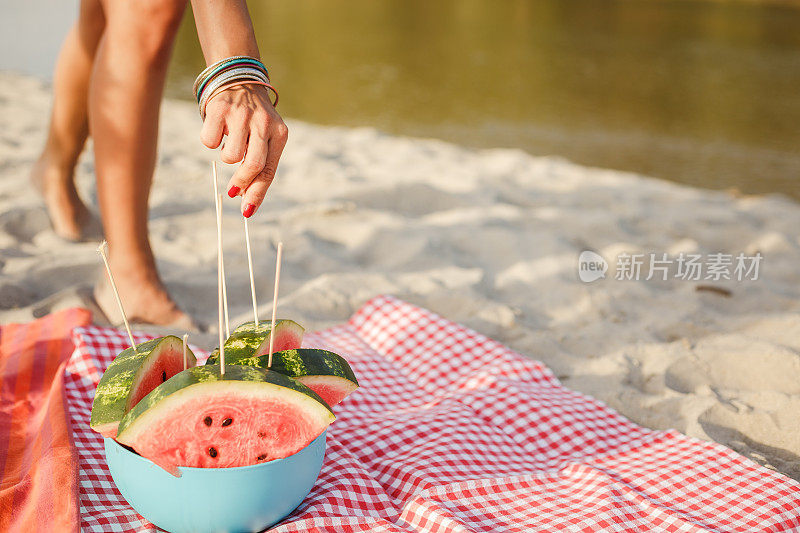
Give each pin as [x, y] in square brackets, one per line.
[232, 62]
[230, 72]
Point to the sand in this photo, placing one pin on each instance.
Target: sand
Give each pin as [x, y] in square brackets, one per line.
[487, 238]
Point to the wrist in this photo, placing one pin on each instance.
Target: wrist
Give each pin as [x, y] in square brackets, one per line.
[228, 69]
[227, 73]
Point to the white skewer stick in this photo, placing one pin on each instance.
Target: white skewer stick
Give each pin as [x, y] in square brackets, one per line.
[219, 289]
[252, 279]
[225, 299]
[185, 350]
[102, 250]
[275, 302]
[218, 205]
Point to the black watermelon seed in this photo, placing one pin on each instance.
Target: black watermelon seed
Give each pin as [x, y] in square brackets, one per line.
[262, 435]
[227, 422]
[212, 452]
[261, 457]
[207, 421]
[163, 376]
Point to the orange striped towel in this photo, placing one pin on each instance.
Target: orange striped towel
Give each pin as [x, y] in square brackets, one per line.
[38, 466]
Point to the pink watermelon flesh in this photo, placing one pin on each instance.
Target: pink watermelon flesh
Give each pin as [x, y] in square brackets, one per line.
[224, 423]
[131, 376]
[331, 395]
[167, 365]
[107, 430]
[284, 341]
[258, 431]
[332, 389]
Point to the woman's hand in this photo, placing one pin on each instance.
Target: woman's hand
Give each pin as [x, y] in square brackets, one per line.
[256, 136]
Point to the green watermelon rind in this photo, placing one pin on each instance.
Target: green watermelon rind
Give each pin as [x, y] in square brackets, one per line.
[302, 362]
[247, 340]
[111, 399]
[309, 366]
[198, 381]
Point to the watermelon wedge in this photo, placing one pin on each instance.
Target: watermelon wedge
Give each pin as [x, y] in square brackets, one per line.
[247, 340]
[326, 373]
[131, 376]
[200, 418]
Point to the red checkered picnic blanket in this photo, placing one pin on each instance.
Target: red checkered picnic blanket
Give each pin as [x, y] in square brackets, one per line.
[453, 432]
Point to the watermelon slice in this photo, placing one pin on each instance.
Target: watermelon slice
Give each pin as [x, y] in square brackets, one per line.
[200, 418]
[326, 373]
[131, 376]
[247, 340]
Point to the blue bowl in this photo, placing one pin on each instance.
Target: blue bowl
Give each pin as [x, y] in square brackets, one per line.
[239, 499]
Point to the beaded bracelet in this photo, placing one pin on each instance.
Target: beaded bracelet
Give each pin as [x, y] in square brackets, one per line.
[209, 71]
[241, 73]
[211, 67]
[214, 69]
[227, 73]
[224, 70]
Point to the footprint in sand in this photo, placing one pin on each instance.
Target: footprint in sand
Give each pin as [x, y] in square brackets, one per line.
[24, 223]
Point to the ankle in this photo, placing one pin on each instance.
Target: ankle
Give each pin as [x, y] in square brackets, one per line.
[135, 268]
[63, 163]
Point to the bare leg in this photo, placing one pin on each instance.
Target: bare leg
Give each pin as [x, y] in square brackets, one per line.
[53, 173]
[124, 101]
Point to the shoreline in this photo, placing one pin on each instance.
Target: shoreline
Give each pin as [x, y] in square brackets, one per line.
[488, 238]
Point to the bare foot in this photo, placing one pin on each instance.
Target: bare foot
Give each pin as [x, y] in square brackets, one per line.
[145, 299]
[67, 212]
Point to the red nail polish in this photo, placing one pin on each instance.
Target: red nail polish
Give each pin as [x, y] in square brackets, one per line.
[233, 191]
[248, 210]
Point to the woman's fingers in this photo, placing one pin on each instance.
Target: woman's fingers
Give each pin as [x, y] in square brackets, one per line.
[254, 160]
[236, 143]
[255, 193]
[256, 136]
[212, 131]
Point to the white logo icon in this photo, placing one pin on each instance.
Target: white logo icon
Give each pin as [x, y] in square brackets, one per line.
[591, 266]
